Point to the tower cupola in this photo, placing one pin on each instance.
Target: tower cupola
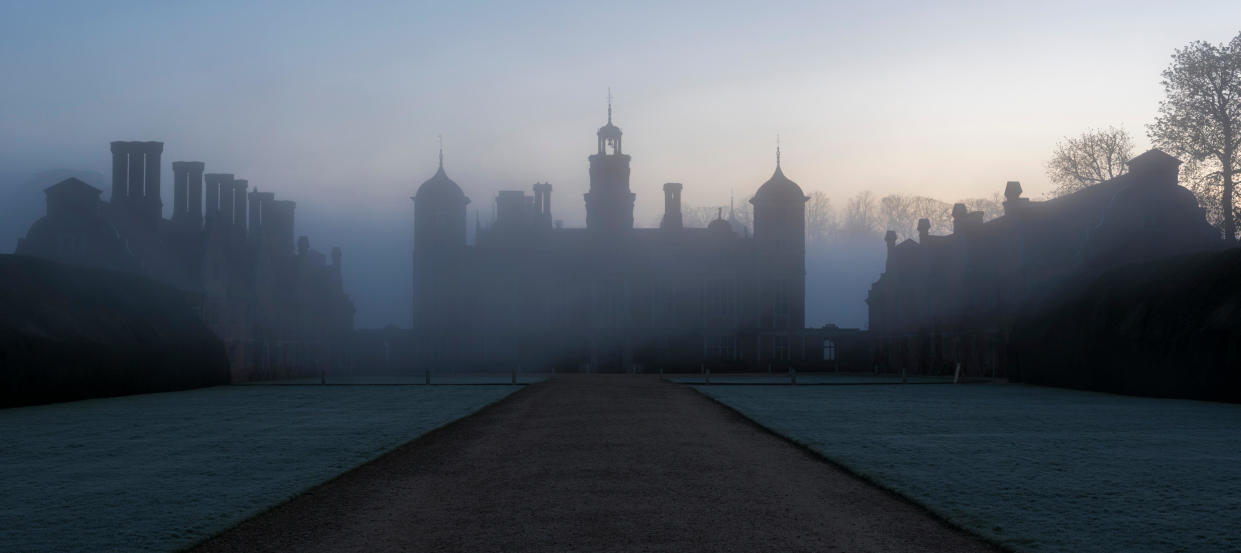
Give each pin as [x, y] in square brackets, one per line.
[609, 134]
[780, 212]
[439, 213]
[609, 203]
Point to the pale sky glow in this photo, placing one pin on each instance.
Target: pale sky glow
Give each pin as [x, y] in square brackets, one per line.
[338, 105]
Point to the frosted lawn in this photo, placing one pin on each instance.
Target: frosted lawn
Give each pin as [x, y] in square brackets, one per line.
[161, 472]
[811, 378]
[1032, 468]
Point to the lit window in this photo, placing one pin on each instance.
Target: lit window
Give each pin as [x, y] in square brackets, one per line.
[829, 350]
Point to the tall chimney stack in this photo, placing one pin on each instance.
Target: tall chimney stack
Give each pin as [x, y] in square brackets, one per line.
[214, 182]
[120, 172]
[672, 206]
[152, 205]
[187, 194]
[239, 207]
[195, 190]
[543, 203]
[137, 168]
[180, 193]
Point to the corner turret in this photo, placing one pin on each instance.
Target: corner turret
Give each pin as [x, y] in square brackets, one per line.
[780, 212]
[439, 213]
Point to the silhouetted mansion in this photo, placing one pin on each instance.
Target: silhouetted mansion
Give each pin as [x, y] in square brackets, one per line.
[608, 297]
[948, 299]
[279, 309]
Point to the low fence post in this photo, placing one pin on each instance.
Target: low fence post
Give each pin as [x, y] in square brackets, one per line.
[428, 377]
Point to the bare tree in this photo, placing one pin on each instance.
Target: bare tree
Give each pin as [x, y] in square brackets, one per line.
[1200, 119]
[900, 213]
[1095, 156]
[990, 207]
[698, 217]
[820, 217]
[743, 213]
[861, 216]
[1205, 180]
[938, 213]
[896, 214]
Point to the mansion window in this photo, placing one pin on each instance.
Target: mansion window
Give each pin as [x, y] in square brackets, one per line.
[829, 350]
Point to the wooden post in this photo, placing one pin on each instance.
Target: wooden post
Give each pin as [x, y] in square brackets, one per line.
[957, 376]
[706, 372]
[793, 374]
[515, 367]
[428, 376]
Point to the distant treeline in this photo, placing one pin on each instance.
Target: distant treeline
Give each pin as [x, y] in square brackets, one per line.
[863, 215]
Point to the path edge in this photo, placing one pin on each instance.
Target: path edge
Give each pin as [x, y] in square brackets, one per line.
[862, 477]
[410, 443]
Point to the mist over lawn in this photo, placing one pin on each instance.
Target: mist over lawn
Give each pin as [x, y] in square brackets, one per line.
[1031, 468]
[161, 472]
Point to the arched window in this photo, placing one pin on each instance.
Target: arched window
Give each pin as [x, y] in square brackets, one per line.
[829, 350]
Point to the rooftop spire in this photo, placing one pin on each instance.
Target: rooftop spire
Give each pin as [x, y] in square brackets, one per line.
[441, 151]
[777, 150]
[609, 105]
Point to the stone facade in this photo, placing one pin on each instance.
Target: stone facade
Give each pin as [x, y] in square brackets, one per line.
[608, 297]
[943, 300]
[280, 311]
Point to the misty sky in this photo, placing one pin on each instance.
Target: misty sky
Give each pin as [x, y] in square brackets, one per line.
[338, 106]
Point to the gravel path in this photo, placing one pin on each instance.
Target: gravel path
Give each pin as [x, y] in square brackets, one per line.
[598, 463]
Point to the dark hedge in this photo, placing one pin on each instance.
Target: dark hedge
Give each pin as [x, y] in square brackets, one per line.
[70, 333]
[1167, 328]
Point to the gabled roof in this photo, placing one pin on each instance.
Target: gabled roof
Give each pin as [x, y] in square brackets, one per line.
[1152, 159]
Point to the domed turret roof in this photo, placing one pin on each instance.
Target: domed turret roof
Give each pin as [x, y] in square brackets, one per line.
[609, 130]
[440, 187]
[779, 189]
